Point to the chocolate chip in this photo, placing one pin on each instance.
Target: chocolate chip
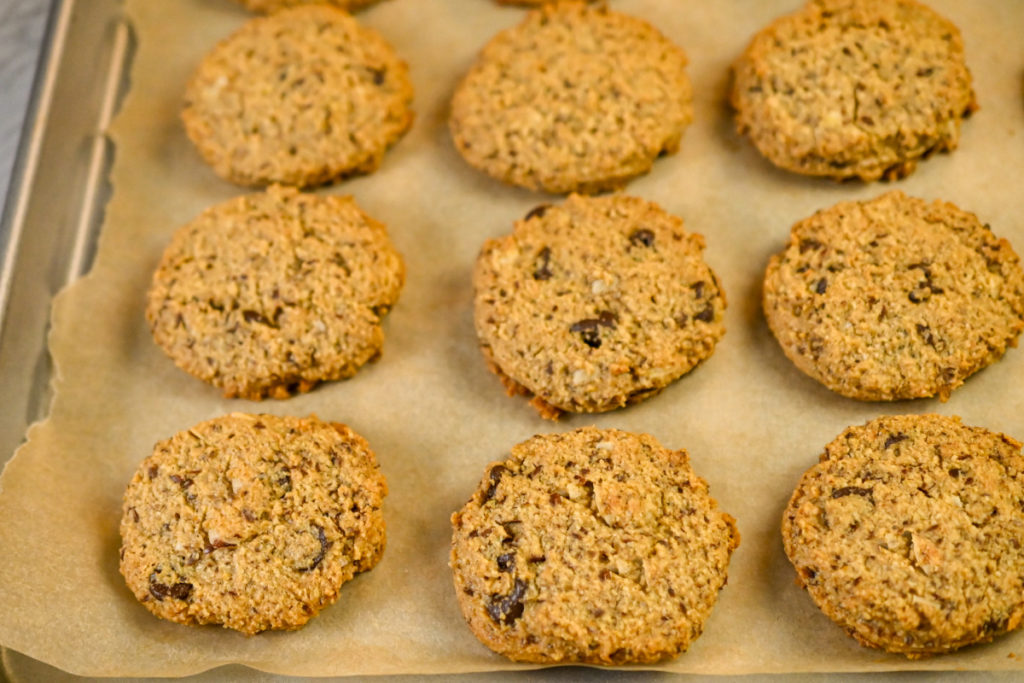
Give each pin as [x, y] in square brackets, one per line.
[508, 608]
[378, 75]
[698, 289]
[808, 244]
[542, 266]
[589, 328]
[537, 211]
[642, 236]
[506, 562]
[495, 477]
[178, 591]
[926, 72]
[324, 547]
[851, 491]
[153, 471]
[955, 473]
[707, 315]
[894, 439]
[821, 286]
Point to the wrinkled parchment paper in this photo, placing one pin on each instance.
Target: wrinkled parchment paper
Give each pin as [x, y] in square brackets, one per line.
[431, 410]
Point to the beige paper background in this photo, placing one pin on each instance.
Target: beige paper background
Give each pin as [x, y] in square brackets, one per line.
[433, 413]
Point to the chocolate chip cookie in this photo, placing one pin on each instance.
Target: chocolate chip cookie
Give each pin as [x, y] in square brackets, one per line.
[270, 294]
[908, 533]
[592, 546]
[302, 97]
[595, 303]
[894, 298]
[854, 88]
[574, 98]
[251, 521]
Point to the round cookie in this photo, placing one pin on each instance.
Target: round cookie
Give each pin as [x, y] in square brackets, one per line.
[270, 294]
[853, 88]
[595, 303]
[251, 521]
[269, 6]
[572, 99]
[907, 533]
[302, 97]
[894, 298]
[592, 546]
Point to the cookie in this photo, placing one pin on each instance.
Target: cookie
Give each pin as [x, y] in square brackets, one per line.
[302, 97]
[593, 546]
[270, 294]
[596, 303]
[268, 6]
[251, 521]
[894, 298]
[908, 532]
[574, 98]
[853, 88]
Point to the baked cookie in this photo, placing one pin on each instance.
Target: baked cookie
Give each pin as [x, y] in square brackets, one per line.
[572, 99]
[853, 88]
[908, 533]
[595, 303]
[270, 294]
[268, 6]
[894, 298]
[302, 97]
[251, 521]
[594, 546]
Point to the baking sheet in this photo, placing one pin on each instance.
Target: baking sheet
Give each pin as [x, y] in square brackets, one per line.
[431, 410]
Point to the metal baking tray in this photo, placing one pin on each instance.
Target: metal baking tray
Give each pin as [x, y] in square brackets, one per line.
[48, 234]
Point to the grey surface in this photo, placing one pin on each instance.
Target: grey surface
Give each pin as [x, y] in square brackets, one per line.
[21, 34]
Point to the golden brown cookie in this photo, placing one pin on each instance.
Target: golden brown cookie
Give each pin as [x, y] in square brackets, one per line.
[908, 533]
[251, 521]
[270, 294]
[574, 98]
[595, 303]
[592, 546]
[894, 298]
[854, 88]
[269, 6]
[301, 97]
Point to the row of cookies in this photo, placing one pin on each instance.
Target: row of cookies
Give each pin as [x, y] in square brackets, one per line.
[579, 98]
[594, 303]
[594, 546]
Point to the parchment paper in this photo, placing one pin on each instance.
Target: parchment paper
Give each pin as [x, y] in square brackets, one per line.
[431, 410]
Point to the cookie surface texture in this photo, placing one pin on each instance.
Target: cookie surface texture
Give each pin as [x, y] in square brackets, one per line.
[595, 546]
[269, 294]
[268, 6]
[574, 98]
[251, 521]
[595, 303]
[907, 533]
[894, 298]
[302, 97]
[854, 88]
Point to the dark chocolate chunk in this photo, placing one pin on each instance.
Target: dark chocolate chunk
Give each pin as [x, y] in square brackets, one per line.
[324, 547]
[178, 591]
[851, 491]
[707, 315]
[495, 476]
[642, 236]
[589, 328]
[894, 439]
[537, 211]
[542, 266]
[508, 608]
[808, 244]
[506, 562]
[698, 289]
[821, 286]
